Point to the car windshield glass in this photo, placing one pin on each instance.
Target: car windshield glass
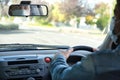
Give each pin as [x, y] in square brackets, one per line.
[69, 22]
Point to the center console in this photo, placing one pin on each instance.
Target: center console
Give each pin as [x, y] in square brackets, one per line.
[23, 69]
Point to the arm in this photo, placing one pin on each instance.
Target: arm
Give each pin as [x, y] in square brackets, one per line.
[83, 70]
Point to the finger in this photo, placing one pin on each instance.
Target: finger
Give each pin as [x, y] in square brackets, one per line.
[94, 49]
[62, 51]
[70, 50]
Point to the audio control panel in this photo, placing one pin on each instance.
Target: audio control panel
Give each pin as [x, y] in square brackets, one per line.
[14, 71]
[21, 69]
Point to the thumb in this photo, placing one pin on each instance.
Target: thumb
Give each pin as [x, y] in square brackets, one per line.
[70, 50]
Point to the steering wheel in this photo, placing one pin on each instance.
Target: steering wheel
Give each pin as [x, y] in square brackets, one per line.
[86, 48]
[75, 58]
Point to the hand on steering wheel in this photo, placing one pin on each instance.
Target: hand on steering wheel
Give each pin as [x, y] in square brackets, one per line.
[76, 48]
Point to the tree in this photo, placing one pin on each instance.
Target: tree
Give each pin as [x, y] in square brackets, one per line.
[4, 6]
[66, 10]
[90, 20]
[74, 7]
[57, 15]
[103, 21]
[103, 10]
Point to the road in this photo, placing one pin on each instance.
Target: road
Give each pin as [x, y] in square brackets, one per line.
[38, 36]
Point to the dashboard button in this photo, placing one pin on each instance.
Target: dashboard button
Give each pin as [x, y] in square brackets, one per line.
[38, 70]
[47, 60]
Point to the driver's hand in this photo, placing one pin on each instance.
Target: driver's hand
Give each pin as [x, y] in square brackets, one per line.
[67, 53]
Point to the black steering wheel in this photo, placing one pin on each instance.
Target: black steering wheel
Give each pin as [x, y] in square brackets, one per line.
[75, 58]
[86, 48]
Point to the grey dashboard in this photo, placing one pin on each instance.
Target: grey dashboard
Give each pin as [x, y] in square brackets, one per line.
[31, 64]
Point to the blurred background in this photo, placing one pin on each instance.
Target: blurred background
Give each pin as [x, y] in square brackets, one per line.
[91, 14]
[91, 17]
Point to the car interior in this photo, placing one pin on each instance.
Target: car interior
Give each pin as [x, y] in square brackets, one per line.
[32, 61]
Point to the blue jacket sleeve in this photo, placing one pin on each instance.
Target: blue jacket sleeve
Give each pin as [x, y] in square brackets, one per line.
[83, 70]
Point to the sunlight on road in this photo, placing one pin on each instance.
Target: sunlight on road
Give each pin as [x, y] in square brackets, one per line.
[42, 36]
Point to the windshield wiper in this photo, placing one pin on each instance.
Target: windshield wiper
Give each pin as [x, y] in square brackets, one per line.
[15, 47]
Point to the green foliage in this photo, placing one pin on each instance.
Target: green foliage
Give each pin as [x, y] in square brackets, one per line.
[63, 11]
[57, 15]
[103, 10]
[78, 20]
[9, 26]
[41, 21]
[102, 22]
[44, 22]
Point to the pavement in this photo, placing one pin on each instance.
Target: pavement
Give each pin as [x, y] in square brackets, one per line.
[52, 36]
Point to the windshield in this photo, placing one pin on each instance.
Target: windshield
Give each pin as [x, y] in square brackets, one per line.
[69, 22]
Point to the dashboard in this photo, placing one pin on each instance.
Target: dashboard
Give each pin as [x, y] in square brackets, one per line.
[31, 64]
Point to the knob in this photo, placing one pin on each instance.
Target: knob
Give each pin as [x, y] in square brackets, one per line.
[38, 70]
[30, 78]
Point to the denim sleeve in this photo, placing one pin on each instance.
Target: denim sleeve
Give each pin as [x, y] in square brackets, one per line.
[83, 70]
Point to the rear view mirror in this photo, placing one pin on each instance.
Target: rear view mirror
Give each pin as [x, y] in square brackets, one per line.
[28, 10]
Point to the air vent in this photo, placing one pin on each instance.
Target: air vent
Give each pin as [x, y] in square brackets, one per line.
[22, 62]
